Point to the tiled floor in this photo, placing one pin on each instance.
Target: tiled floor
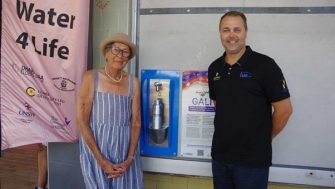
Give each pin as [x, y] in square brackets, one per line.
[18, 168]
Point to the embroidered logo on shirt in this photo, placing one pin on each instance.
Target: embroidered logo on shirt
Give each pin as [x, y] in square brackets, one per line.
[284, 86]
[245, 75]
[217, 77]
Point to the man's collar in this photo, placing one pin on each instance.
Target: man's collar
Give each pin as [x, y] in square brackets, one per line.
[243, 60]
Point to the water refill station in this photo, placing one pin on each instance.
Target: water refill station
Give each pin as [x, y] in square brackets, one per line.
[160, 112]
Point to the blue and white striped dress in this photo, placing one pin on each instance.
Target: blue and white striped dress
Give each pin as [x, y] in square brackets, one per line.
[111, 126]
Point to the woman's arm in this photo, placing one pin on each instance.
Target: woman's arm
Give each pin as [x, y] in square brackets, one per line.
[135, 119]
[135, 124]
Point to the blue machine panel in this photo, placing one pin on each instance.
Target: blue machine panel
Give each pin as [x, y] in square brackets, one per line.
[160, 112]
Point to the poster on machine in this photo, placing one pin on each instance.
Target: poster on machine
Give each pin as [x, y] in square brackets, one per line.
[197, 118]
[43, 57]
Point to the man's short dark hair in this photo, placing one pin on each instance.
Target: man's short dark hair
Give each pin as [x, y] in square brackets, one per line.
[235, 13]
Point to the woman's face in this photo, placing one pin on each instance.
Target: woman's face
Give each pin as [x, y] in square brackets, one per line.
[118, 55]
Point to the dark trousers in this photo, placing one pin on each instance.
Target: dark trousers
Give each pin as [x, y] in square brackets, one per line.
[228, 176]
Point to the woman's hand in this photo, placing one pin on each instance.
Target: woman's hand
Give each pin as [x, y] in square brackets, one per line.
[122, 167]
[112, 170]
[126, 164]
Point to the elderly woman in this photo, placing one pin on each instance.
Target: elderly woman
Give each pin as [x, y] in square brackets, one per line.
[109, 119]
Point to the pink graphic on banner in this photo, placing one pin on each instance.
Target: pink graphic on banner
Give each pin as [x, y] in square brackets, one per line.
[43, 56]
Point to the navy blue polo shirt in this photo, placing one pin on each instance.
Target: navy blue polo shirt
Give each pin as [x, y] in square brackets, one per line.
[243, 119]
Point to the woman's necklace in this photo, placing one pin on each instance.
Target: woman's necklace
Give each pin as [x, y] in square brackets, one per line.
[111, 78]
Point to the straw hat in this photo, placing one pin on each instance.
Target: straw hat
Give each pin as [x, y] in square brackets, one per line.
[121, 38]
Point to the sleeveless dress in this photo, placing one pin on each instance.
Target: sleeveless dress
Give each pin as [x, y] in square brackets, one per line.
[111, 127]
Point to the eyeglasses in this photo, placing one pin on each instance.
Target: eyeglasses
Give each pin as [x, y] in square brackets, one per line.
[116, 51]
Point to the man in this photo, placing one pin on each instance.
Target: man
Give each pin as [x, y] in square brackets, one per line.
[245, 86]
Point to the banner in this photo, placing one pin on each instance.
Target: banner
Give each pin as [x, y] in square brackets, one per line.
[197, 125]
[43, 56]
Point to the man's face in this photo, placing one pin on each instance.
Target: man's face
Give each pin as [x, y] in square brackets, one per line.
[233, 34]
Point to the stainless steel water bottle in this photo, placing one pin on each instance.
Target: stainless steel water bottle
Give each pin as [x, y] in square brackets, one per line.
[157, 114]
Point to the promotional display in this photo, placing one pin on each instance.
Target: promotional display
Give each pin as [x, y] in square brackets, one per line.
[160, 101]
[197, 117]
[43, 56]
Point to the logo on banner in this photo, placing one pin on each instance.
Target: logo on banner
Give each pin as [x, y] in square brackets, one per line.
[26, 114]
[64, 84]
[31, 91]
[44, 95]
[56, 124]
[67, 122]
[27, 71]
[30, 72]
[28, 107]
